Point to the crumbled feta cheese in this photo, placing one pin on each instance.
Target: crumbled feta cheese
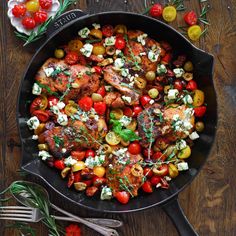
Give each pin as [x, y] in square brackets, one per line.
[106, 193]
[83, 33]
[35, 137]
[124, 72]
[125, 120]
[182, 166]
[69, 161]
[181, 144]
[96, 26]
[179, 72]
[110, 166]
[108, 88]
[98, 160]
[119, 62]
[194, 135]
[172, 93]
[87, 49]
[141, 39]
[100, 56]
[175, 117]
[110, 41]
[55, 109]
[142, 53]
[151, 101]
[187, 99]
[36, 90]
[120, 152]
[62, 119]
[118, 52]
[126, 99]
[61, 105]
[33, 122]
[167, 178]
[63, 150]
[161, 69]
[189, 112]
[153, 57]
[44, 155]
[48, 71]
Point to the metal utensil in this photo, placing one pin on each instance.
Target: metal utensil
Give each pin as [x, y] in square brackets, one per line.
[22, 198]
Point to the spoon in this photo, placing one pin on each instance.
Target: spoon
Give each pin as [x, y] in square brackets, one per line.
[94, 223]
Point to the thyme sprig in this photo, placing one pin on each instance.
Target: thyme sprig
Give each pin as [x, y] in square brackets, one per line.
[179, 4]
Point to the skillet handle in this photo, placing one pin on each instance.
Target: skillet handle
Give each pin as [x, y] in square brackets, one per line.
[177, 216]
[64, 19]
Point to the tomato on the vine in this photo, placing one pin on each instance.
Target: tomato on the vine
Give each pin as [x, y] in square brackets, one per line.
[191, 85]
[194, 32]
[145, 99]
[122, 197]
[190, 18]
[45, 4]
[147, 171]
[100, 107]
[155, 180]
[40, 16]
[169, 13]
[156, 10]
[134, 148]
[28, 22]
[19, 10]
[199, 111]
[178, 85]
[147, 187]
[85, 103]
[137, 109]
[39, 103]
[72, 58]
[43, 116]
[107, 30]
[120, 43]
[59, 164]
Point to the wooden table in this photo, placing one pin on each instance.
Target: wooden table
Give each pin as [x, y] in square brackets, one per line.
[210, 201]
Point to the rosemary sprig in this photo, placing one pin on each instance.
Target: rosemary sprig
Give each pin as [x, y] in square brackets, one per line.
[203, 15]
[179, 4]
[23, 228]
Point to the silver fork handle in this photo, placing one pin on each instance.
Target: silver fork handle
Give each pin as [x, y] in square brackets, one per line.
[99, 221]
[102, 230]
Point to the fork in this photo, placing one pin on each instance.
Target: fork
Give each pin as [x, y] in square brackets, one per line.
[28, 214]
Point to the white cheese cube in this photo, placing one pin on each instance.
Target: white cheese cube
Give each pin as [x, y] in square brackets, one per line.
[152, 56]
[119, 62]
[179, 72]
[172, 93]
[62, 119]
[35, 137]
[33, 122]
[69, 161]
[96, 26]
[126, 99]
[48, 71]
[87, 49]
[36, 90]
[83, 33]
[181, 144]
[125, 120]
[187, 99]
[110, 41]
[44, 155]
[182, 166]
[106, 193]
[141, 39]
[194, 135]
[61, 105]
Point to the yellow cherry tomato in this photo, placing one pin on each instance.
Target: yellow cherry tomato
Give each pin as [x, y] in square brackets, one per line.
[59, 53]
[99, 171]
[96, 33]
[198, 98]
[184, 153]
[71, 108]
[32, 6]
[169, 13]
[112, 138]
[194, 32]
[116, 113]
[75, 45]
[79, 165]
[98, 50]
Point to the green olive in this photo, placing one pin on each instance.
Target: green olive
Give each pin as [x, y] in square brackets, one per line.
[153, 93]
[150, 75]
[96, 97]
[188, 66]
[199, 126]
[59, 53]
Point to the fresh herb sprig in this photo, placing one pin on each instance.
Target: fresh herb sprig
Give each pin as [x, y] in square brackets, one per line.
[179, 4]
[203, 15]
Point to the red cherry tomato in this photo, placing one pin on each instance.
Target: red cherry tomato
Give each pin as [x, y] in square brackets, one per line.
[147, 172]
[73, 230]
[107, 30]
[98, 69]
[77, 176]
[190, 18]
[71, 58]
[45, 4]
[43, 116]
[156, 10]
[78, 155]
[100, 107]
[40, 16]
[145, 152]
[134, 148]
[28, 22]
[163, 170]
[98, 181]
[39, 103]
[155, 180]
[85, 103]
[52, 101]
[88, 182]
[159, 156]
[91, 191]
[191, 85]
[147, 187]
[89, 153]
[123, 197]
[102, 91]
[178, 85]
[199, 111]
[144, 100]
[128, 112]
[19, 10]
[59, 164]
[166, 59]
[120, 43]
[137, 109]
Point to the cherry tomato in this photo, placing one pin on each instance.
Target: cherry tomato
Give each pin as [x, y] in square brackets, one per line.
[40, 16]
[120, 43]
[147, 172]
[145, 152]
[128, 112]
[73, 230]
[178, 85]
[162, 170]
[91, 191]
[102, 91]
[100, 107]
[147, 187]
[134, 148]
[145, 99]
[89, 153]
[199, 111]
[155, 180]
[98, 181]
[156, 10]
[107, 30]
[71, 58]
[166, 59]
[98, 69]
[45, 4]
[169, 13]
[43, 116]
[39, 103]
[123, 197]
[159, 156]
[59, 164]
[77, 176]
[137, 109]
[19, 10]
[52, 101]
[87, 182]
[28, 22]
[191, 85]
[194, 32]
[190, 18]
[32, 6]
[85, 103]
[78, 155]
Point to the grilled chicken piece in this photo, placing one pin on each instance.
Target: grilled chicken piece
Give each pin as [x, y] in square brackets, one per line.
[114, 79]
[114, 100]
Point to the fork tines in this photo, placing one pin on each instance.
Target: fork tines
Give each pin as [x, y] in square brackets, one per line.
[16, 213]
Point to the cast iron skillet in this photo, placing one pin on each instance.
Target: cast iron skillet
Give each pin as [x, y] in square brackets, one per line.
[65, 28]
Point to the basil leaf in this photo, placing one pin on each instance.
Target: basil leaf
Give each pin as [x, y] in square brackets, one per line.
[128, 135]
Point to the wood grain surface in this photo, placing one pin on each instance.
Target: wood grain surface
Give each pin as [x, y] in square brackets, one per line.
[210, 201]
